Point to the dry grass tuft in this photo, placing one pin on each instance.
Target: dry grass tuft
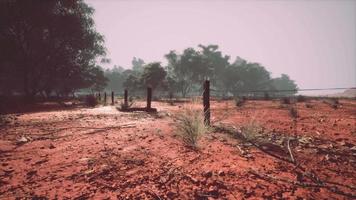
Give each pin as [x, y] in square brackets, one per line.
[252, 130]
[190, 125]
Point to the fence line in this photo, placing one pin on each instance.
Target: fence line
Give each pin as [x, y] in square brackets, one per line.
[296, 90]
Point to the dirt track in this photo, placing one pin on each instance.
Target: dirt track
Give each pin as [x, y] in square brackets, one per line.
[102, 153]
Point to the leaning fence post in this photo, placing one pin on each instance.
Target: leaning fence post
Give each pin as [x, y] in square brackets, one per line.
[149, 97]
[112, 98]
[206, 102]
[125, 98]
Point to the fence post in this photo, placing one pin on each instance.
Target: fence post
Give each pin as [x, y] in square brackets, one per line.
[125, 98]
[206, 102]
[112, 98]
[99, 96]
[104, 97]
[149, 97]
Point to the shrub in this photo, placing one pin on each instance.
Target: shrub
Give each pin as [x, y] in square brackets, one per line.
[129, 105]
[286, 100]
[252, 130]
[293, 112]
[266, 96]
[309, 105]
[333, 102]
[91, 101]
[301, 98]
[240, 101]
[190, 126]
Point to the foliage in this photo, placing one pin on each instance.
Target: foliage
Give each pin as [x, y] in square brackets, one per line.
[240, 101]
[301, 98]
[286, 100]
[286, 84]
[48, 47]
[186, 71]
[153, 75]
[91, 100]
[293, 112]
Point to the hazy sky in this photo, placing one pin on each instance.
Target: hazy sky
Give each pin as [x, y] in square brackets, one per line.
[312, 41]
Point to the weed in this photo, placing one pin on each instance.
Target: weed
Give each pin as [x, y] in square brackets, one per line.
[190, 126]
[129, 104]
[293, 112]
[91, 101]
[301, 98]
[286, 100]
[333, 102]
[252, 130]
[240, 101]
[307, 105]
[266, 96]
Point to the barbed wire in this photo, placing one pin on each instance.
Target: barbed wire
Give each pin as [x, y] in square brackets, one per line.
[295, 90]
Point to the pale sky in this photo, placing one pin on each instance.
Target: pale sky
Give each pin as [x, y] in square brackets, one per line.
[314, 42]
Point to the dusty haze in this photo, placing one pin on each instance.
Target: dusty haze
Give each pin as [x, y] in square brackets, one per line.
[312, 41]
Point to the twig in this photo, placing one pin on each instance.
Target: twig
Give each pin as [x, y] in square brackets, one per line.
[290, 151]
[298, 183]
[153, 192]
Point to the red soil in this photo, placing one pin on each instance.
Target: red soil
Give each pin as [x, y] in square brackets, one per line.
[101, 153]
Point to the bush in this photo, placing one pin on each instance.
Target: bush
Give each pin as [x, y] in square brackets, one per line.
[266, 96]
[301, 98]
[333, 102]
[252, 131]
[191, 126]
[240, 101]
[91, 101]
[293, 112]
[286, 100]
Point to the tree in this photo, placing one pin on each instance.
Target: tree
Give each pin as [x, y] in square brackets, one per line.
[48, 46]
[153, 75]
[186, 69]
[137, 65]
[285, 83]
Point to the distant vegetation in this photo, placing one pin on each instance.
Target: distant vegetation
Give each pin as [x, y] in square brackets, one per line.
[185, 73]
[50, 48]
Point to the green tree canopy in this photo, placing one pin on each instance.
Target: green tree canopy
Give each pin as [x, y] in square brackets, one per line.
[48, 46]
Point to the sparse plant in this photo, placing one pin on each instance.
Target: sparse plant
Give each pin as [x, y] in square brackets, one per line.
[190, 125]
[301, 98]
[293, 112]
[124, 106]
[309, 105]
[252, 130]
[286, 100]
[240, 101]
[266, 96]
[333, 102]
[91, 100]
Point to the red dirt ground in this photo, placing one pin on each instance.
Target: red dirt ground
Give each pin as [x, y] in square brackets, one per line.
[101, 153]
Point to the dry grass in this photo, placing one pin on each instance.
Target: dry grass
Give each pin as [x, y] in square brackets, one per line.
[190, 125]
[252, 130]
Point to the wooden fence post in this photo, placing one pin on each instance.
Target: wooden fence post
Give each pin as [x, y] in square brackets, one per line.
[99, 96]
[149, 97]
[112, 98]
[206, 102]
[125, 98]
[104, 97]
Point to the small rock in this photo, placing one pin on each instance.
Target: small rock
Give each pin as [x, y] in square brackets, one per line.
[221, 173]
[207, 174]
